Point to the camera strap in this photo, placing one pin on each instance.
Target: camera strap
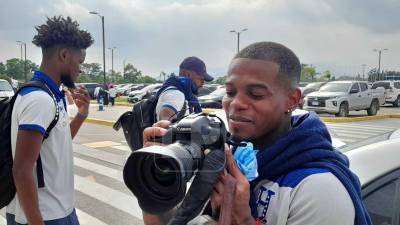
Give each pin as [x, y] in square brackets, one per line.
[201, 188]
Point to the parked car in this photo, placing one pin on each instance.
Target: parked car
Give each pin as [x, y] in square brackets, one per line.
[122, 89]
[309, 88]
[134, 87]
[392, 89]
[206, 90]
[90, 87]
[377, 164]
[213, 100]
[6, 90]
[138, 95]
[340, 97]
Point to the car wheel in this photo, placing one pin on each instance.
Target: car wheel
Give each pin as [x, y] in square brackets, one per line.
[343, 110]
[396, 103]
[373, 109]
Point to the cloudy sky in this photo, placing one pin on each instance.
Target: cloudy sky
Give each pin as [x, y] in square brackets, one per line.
[155, 35]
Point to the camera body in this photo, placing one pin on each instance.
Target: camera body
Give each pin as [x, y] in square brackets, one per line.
[157, 175]
[205, 130]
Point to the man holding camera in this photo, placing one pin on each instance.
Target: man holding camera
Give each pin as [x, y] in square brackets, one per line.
[301, 179]
[178, 94]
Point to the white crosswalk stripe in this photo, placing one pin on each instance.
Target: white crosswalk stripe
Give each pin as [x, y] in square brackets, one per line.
[86, 219]
[3, 221]
[103, 170]
[107, 195]
[349, 133]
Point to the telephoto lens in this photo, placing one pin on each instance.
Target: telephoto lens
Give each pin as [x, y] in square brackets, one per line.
[157, 175]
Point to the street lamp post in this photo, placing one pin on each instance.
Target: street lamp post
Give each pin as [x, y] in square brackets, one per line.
[104, 46]
[379, 59]
[238, 37]
[112, 63]
[363, 66]
[23, 43]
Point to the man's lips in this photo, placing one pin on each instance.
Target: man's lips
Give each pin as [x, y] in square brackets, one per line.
[239, 118]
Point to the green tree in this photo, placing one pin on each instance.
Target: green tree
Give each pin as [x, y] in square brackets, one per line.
[146, 80]
[373, 75]
[15, 68]
[132, 73]
[307, 73]
[163, 75]
[221, 80]
[5, 77]
[92, 71]
[2, 68]
[326, 76]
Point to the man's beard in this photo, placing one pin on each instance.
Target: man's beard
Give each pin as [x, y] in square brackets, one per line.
[67, 81]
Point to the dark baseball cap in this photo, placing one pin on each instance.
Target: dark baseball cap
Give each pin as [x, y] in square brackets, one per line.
[197, 65]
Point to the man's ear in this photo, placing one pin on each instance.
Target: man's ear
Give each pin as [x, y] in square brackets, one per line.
[63, 55]
[294, 99]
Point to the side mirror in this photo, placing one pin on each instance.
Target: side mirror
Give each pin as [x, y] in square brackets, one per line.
[353, 91]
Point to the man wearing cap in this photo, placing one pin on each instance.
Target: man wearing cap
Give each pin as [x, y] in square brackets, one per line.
[177, 96]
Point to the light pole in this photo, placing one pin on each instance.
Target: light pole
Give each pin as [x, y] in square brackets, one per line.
[112, 63]
[379, 59]
[104, 46]
[23, 43]
[124, 69]
[363, 66]
[238, 36]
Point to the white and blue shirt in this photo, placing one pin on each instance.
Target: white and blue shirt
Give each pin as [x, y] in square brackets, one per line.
[173, 99]
[34, 110]
[304, 196]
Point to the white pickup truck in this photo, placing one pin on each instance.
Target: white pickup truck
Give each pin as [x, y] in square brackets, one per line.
[340, 97]
[392, 90]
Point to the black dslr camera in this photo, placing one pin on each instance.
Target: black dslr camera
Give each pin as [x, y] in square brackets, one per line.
[157, 175]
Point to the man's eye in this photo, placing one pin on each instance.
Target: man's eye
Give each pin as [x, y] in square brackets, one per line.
[257, 95]
[230, 93]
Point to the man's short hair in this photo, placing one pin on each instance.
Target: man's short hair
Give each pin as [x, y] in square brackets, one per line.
[58, 31]
[289, 64]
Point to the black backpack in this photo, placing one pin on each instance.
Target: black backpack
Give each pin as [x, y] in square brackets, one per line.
[142, 115]
[7, 186]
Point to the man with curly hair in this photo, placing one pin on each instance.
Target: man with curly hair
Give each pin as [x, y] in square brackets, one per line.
[46, 197]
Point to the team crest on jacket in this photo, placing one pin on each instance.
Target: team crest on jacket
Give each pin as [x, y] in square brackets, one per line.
[263, 200]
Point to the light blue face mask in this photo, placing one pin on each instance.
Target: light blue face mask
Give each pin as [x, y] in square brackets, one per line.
[246, 160]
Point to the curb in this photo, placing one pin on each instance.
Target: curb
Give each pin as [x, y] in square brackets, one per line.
[98, 121]
[116, 103]
[356, 119]
[328, 120]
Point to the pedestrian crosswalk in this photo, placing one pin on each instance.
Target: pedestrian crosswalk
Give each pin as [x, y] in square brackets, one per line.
[101, 195]
[354, 132]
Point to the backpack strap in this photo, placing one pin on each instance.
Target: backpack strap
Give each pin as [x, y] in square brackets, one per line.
[44, 87]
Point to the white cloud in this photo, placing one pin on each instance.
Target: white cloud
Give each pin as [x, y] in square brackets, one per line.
[156, 35]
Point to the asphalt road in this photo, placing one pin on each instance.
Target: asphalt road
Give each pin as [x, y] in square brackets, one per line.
[100, 153]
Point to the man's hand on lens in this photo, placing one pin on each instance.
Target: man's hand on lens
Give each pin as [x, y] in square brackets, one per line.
[158, 129]
[241, 210]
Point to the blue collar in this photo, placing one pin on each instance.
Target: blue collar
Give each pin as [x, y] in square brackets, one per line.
[39, 75]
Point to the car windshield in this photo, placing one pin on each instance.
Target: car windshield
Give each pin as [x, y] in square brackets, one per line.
[218, 92]
[314, 85]
[335, 87]
[5, 86]
[385, 85]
